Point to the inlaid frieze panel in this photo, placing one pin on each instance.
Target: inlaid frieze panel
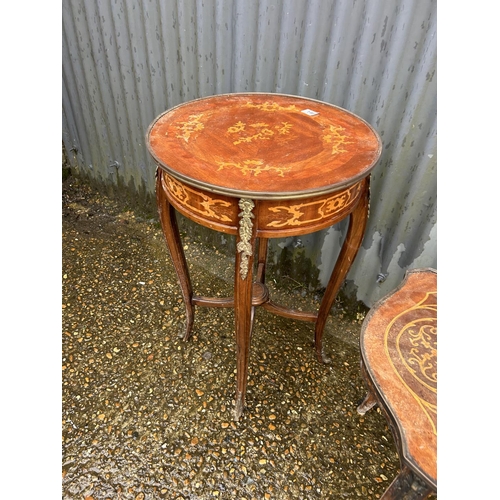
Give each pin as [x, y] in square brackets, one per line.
[200, 204]
[311, 211]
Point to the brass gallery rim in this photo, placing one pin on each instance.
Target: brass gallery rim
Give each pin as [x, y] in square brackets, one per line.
[263, 146]
[262, 195]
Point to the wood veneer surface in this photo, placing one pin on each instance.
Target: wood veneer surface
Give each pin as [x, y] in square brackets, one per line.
[399, 350]
[263, 145]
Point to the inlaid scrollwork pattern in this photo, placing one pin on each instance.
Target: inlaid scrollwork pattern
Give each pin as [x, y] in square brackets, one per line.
[187, 128]
[333, 135]
[423, 354]
[253, 167]
[195, 200]
[413, 333]
[245, 133]
[293, 215]
[271, 106]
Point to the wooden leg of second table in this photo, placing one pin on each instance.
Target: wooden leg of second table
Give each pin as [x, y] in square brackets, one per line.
[407, 486]
[370, 399]
[357, 226]
[368, 403]
[171, 232]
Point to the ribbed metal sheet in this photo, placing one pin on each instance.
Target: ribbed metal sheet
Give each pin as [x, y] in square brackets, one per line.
[125, 62]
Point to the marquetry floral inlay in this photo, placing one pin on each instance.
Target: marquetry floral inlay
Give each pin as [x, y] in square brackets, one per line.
[411, 345]
[271, 106]
[197, 201]
[186, 129]
[245, 133]
[253, 167]
[422, 358]
[317, 210]
[333, 135]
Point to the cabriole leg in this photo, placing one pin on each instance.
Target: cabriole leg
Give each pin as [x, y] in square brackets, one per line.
[171, 232]
[357, 226]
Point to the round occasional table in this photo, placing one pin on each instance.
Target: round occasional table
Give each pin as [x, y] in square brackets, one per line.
[260, 166]
[399, 363]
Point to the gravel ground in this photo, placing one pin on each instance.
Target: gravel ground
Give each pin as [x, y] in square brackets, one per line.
[147, 415]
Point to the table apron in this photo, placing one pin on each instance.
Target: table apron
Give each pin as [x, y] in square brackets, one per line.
[273, 218]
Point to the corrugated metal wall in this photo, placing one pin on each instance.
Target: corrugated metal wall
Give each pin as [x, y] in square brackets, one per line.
[126, 61]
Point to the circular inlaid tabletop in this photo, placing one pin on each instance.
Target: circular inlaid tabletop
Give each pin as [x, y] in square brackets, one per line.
[263, 146]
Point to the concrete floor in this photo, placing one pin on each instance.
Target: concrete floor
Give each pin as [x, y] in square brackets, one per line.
[146, 415]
